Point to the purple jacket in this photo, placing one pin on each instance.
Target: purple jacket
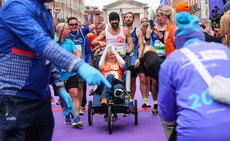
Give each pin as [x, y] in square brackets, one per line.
[183, 96]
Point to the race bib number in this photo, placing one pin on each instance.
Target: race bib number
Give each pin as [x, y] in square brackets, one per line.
[114, 73]
[119, 50]
[78, 47]
[159, 46]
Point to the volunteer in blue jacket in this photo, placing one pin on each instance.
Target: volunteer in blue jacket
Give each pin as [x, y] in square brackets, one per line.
[183, 93]
[27, 50]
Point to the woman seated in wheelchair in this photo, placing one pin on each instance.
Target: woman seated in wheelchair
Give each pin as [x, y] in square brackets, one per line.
[111, 66]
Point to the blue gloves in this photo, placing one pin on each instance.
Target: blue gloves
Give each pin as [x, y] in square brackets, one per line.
[92, 75]
[67, 101]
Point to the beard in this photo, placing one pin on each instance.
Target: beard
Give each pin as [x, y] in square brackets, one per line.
[129, 23]
[115, 25]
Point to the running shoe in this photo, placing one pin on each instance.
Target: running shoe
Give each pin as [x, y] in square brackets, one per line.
[67, 120]
[144, 105]
[155, 109]
[155, 106]
[148, 105]
[81, 112]
[77, 122]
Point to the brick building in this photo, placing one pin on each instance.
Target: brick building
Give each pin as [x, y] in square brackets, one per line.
[69, 8]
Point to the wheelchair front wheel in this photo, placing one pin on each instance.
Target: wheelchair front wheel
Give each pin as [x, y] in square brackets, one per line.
[110, 121]
[90, 112]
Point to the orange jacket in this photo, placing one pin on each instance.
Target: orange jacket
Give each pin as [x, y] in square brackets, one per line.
[169, 39]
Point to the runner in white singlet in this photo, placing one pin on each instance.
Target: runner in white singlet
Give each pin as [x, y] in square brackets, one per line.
[115, 35]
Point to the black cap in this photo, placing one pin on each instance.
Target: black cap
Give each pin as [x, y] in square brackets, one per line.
[226, 6]
[114, 16]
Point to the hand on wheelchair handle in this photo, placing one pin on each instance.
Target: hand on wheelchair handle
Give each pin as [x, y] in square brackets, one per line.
[128, 59]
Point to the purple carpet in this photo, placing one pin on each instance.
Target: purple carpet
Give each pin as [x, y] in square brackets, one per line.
[149, 126]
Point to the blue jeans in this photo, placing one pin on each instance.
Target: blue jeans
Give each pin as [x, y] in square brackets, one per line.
[106, 91]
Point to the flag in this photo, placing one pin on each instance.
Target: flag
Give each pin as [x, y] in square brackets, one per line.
[163, 2]
[121, 12]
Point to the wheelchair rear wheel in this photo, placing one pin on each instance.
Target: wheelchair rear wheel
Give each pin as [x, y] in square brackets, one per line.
[136, 112]
[110, 121]
[90, 112]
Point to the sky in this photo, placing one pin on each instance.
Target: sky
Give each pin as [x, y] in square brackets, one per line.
[100, 3]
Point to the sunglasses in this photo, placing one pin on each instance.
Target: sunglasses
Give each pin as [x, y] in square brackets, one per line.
[75, 24]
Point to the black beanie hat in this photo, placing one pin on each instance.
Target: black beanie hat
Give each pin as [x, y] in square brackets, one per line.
[226, 6]
[114, 16]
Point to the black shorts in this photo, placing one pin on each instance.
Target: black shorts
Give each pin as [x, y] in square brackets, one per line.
[141, 68]
[72, 82]
[152, 62]
[134, 72]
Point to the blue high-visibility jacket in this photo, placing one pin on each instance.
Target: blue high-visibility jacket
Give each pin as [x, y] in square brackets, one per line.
[27, 48]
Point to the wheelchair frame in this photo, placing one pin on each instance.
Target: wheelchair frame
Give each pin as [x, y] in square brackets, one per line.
[112, 108]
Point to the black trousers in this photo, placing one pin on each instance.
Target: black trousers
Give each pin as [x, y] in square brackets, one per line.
[24, 119]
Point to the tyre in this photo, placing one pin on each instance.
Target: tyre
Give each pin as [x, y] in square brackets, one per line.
[136, 112]
[110, 121]
[90, 112]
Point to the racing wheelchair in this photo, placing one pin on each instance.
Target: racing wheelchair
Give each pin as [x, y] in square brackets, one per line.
[119, 101]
